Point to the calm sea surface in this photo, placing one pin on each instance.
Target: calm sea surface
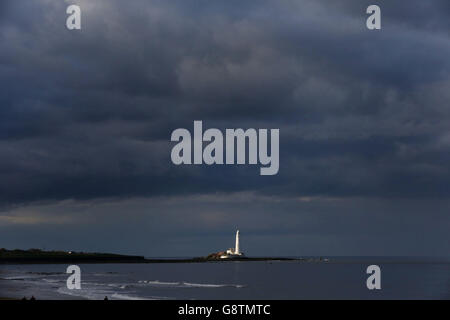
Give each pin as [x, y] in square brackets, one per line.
[340, 278]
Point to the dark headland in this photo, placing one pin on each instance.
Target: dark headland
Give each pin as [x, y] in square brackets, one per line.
[37, 256]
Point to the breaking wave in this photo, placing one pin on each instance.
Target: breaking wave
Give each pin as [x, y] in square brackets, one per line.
[184, 284]
[129, 297]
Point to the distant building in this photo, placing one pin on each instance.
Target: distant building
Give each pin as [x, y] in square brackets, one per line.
[233, 252]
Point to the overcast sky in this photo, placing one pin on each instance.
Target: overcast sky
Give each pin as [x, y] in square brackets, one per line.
[364, 118]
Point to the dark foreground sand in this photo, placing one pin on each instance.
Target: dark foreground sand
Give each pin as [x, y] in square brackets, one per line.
[9, 291]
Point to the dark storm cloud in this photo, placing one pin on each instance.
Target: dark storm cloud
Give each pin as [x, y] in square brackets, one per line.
[88, 114]
[86, 118]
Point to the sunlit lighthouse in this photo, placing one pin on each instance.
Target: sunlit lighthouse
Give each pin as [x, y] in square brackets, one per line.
[236, 247]
[233, 252]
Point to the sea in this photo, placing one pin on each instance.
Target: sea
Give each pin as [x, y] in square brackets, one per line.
[330, 278]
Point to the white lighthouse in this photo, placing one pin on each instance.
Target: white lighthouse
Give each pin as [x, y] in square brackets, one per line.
[233, 252]
[236, 247]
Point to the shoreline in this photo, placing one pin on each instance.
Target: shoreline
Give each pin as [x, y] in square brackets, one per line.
[136, 260]
[37, 256]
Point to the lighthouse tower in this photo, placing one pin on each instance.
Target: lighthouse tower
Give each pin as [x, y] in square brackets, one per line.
[233, 252]
[236, 247]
